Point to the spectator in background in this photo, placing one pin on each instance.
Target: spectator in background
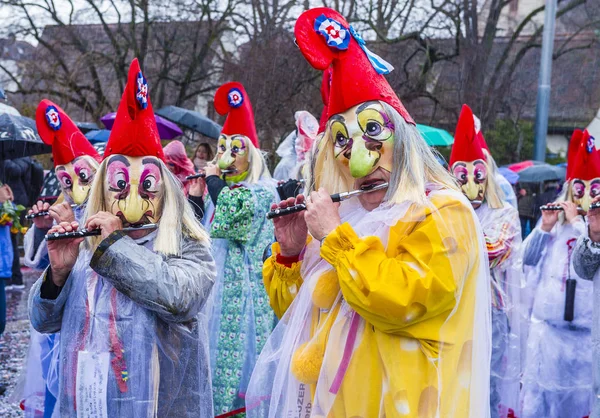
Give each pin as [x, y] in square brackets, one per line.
[526, 212]
[6, 256]
[549, 195]
[181, 166]
[203, 155]
[20, 174]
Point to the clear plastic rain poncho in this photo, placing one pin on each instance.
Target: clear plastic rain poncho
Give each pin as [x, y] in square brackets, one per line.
[502, 231]
[557, 378]
[295, 148]
[239, 314]
[132, 317]
[40, 390]
[390, 317]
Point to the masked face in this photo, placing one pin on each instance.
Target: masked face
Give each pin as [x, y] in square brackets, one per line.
[76, 178]
[233, 154]
[472, 177]
[584, 191]
[134, 189]
[363, 139]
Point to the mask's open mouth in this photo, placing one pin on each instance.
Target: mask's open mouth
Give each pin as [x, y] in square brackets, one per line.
[369, 184]
[143, 221]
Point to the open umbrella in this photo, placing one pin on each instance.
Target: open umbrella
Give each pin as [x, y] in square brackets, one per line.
[166, 129]
[19, 138]
[98, 135]
[4, 108]
[191, 120]
[435, 137]
[518, 167]
[511, 176]
[541, 172]
[86, 127]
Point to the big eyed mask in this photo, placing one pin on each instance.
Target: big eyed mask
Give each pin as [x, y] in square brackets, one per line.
[584, 191]
[472, 177]
[233, 153]
[363, 139]
[134, 189]
[76, 177]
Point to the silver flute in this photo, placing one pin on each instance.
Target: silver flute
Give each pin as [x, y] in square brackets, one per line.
[43, 213]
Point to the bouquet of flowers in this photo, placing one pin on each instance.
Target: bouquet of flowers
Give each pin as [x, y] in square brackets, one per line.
[10, 215]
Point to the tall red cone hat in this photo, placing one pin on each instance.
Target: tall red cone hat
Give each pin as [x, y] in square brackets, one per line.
[57, 129]
[134, 132]
[468, 145]
[586, 162]
[327, 40]
[325, 89]
[574, 145]
[232, 100]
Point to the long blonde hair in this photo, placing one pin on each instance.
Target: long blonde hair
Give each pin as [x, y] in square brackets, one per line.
[257, 168]
[494, 195]
[414, 165]
[175, 213]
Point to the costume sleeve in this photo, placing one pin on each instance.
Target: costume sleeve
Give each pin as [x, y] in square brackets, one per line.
[175, 288]
[47, 302]
[586, 257]
[234, 214]
[282, 282]
[36, 249]
[534, 246]
[419, 283]
[197, 203]
[215, 184]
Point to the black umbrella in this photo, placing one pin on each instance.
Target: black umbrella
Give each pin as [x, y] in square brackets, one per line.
[19, 138]
[541, 173]
[86, 126]
[191, 120]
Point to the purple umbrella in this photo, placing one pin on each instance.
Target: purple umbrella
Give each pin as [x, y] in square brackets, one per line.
[166, 129]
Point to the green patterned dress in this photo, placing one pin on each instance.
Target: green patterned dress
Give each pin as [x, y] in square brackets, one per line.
[241, 318]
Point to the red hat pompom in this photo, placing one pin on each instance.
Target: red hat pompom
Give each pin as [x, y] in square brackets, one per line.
[232, 100]
[585, 165]
[57, 129]
[326, 39]
[467, 145]
[574, 144]
[134, 132]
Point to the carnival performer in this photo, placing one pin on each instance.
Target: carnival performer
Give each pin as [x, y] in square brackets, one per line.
[127, 304]
[181, 166]
[296, 147]
[475, 170]
[557, 381]
[240, 316]
[384, 299]
[75, 163]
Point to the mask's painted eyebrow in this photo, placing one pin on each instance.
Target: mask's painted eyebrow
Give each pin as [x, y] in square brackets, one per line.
[150, 161]
[119, 158]
[478, 162]
[61, 168]
[338, 118]
[364, 106]
[459, 165]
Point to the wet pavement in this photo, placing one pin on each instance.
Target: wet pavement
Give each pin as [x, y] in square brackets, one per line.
[14, 344]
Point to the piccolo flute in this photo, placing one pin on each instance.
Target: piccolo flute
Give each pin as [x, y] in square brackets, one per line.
[42, 213]
[338, 197]
[94, 232]
[559, 208]
[203, 175]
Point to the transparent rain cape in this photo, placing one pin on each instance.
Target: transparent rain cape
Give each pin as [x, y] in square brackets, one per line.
[502, 231]
[399, 326]
[556, 378]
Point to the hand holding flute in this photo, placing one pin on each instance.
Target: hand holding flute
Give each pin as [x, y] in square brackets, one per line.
[550, 215]
[43, 214]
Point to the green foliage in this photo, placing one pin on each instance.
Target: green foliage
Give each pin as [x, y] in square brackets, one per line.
[503, 140]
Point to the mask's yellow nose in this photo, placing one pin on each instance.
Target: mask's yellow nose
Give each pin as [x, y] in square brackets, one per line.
[585, 202]
[471, 190]
[362, 161]
[80, 192]
[133, 207]
[226, 160]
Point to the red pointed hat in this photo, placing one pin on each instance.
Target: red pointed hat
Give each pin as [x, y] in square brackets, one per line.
[326, 39]
[574, 144]
[232, 100]
[585, 165]
[134, 132]
[325, 89]
[468, 144]
[57, 129]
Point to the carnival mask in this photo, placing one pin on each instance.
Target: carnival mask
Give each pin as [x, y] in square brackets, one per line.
[233, 153]
[134, 189]
[584, 191]
[363, 139]
[472, 177]
[76, 177]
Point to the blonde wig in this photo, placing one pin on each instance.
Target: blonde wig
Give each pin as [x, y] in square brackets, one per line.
[414, 165]
[257, 166]
[175, 213]
[494, 195]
